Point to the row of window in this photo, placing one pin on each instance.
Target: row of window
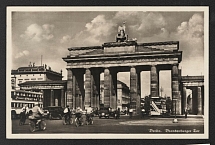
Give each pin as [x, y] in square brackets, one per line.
[20, 105]
[28, 75]
[20, 94]
[31, 79]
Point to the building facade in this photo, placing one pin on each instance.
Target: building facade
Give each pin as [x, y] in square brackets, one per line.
[41, 79]
[123, 95]
[33, 73]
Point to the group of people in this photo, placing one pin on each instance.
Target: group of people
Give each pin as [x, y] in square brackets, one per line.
[37, 112]
[78, 112]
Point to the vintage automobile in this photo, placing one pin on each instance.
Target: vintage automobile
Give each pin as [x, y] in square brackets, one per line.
[107, 112]
[46, 113]
[54, 112]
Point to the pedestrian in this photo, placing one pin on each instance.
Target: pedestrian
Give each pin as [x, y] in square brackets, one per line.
[118, 113]
[143, 112]
[67, 113]
[185, 111]
[125, 110]
[130, 112]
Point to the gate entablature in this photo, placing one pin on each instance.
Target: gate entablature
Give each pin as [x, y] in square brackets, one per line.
[190, 81]
[129, 53]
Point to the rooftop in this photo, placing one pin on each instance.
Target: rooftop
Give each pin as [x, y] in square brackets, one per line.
[60, 82]
[35, 69]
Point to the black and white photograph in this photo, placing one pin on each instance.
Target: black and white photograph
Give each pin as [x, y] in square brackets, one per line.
[107, 72]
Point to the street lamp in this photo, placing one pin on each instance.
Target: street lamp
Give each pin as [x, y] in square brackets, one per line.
[175, 119]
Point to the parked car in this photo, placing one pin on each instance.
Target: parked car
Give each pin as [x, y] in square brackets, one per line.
[95, 111]
[54, 112]
[106, 112]
[46, 113]
[122, 112]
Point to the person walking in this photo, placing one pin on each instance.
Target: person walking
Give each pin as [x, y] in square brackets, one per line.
[185, 111]
[118, 113]
[67, 113]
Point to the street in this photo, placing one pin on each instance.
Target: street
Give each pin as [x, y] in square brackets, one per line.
[123, 125]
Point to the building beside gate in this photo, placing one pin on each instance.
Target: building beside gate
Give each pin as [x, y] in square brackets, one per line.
[194, 102]
[123, 95]
[41, 79]
[33, 73]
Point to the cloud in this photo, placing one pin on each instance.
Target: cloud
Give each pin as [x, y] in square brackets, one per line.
[193, 28]
[65, 39]
[144, 24]
[190, 34]
[104, 29]
[21, 54]
[96, 32]
[38, 33]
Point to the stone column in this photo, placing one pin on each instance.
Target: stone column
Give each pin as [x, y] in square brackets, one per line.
[93, 91]
[88, 88]
[81, 101]
[77, 92]
[77, 103]
[175, 90]
[74, 91]
[133, 89]
[158, 84]
[107, 87]
[62, 98]
[194, 100]
[96, 84]
[154, 82]
[69, 88]
[184, 99]
[80, 92]
[52, 98]
[199, 101]
[98, 100]
[113, 100]
[138, 106]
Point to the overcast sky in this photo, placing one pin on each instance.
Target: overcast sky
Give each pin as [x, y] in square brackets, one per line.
[51, 33]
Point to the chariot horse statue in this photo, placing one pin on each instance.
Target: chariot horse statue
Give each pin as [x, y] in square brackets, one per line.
[121, 35]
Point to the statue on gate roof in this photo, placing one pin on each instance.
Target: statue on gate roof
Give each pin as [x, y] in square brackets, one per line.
[121, 36]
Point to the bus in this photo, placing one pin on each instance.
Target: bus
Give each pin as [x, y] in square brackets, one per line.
[20, 97]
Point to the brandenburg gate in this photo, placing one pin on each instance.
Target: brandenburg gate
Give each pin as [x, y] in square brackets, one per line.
[123, 55]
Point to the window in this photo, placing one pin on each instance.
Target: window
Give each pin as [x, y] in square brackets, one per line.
[33, 79]
[12, 104]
